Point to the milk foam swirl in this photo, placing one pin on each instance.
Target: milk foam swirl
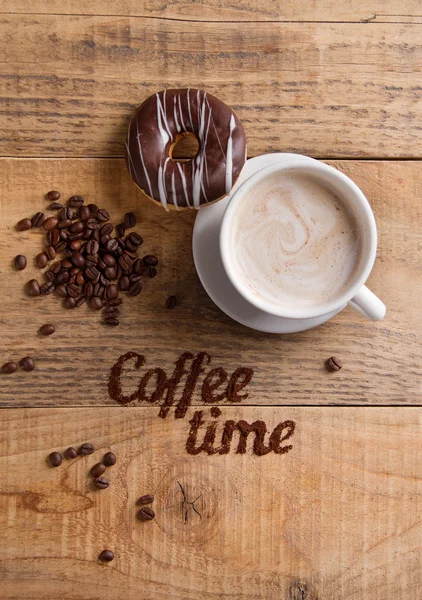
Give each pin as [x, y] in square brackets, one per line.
[294, 242]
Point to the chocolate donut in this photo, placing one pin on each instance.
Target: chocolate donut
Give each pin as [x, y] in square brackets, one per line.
[159, 123]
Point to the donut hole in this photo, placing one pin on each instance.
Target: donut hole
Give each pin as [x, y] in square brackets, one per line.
[185, 147]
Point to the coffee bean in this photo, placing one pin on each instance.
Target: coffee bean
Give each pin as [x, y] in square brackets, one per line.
[107, 229]
[124, 283]
[47, 288]
[61, 291]
[60, 247]
[33, 288]
[55, 459]
[120, 230]
[101, 482]
[106, 556]
[55, 206]
[101, 264]
[150, 260]
[63, 277]
[66, 214]
[93, 223]
[112, 245]
[86, 449]
[116, 302]
[74, 291]
[104, 239]
[80, 279]
[109, 459]
[41, 260]
[131, 247]
[91, 273]
[129, 220]
[96, 303]
[92, 247]
[111, 321]
[99, 290]
[84, 213]
[81, 300]
[38, 219]
[171, 302]
[52, 195]
[135, 277]
[98, 469]
[103, 215]
[53, 238]
[139, 266]
[111, 312]
[135, 288]
[77, 227]
[110, 273]
[104, 281]
[88, 289]
[19, 262]
[50, 252]
[146, 499]
[109, 260]
[24, 225]
[9, 368]
[76, 201]
[56, 267]
[125, 262]
[112, 291]
[49, 276]
[91, 260]
[50, 223]
[151, 272]
[87, 234]
[47, 329]
[94, 209]
[27, 363]
[146, 514]
[119, 271]
[78, 260]
[96, 235]
[64, 224]
[135, 238]
[75, 245]
[333, 364]
[70, 453]
[67, 264]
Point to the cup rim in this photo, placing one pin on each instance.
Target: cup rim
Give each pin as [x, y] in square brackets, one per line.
[355, 195]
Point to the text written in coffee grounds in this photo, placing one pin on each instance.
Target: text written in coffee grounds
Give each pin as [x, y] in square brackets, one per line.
[217, 386]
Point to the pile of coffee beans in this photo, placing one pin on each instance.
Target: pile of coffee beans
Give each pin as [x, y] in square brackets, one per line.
[96, 266]
[26, 363]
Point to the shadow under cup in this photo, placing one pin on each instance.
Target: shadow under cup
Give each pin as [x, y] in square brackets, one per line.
[353, 202]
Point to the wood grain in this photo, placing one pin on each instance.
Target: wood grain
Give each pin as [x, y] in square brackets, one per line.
[338, 516]
[69, 84]
[373, 11]
[382, 361]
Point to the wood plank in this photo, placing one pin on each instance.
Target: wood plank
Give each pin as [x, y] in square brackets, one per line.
[69, 84]
[373, 11]
[337, 516]
[382, 361]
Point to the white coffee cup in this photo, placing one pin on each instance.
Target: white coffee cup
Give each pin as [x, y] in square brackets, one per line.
[356, 294]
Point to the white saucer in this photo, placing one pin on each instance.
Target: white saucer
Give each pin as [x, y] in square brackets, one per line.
[206, 254]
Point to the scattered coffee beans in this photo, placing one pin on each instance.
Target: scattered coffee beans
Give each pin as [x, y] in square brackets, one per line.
[146, 499]
[53, 195]
[9, 367]
[50, 223]
[20, 262]
[109, 459]
[106, 556]
[70, 453]
[333, 364]
[27, 363]
[171, 302]
[55, 459]
[41, 260]
[37, 220]
[101, 482]
[98, 469]
[33, 288]
[86, 449]
[47, 329]
[24, 225]
[129, 220]
[146, 514]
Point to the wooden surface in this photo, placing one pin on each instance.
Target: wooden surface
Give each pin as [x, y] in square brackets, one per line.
[69, 84]
[382, 361]
[337, 517]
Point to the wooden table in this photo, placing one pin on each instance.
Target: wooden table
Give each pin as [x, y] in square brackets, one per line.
[332, 508]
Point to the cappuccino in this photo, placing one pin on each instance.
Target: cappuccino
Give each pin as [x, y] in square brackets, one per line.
[293, 242]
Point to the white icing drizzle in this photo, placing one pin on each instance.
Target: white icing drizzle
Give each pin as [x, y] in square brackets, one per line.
[175, 115]
[162, 184]
[215, 129]
[190, 114]
[185, 187]
[229, 157]
[142, 158]
[162, 119]
[181, 114]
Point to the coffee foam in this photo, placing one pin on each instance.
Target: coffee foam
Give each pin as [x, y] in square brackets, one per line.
[293, 242]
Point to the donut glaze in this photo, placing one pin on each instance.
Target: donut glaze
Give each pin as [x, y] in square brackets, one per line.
[159, 122]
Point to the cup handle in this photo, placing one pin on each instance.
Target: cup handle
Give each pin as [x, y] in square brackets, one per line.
[368, 305]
